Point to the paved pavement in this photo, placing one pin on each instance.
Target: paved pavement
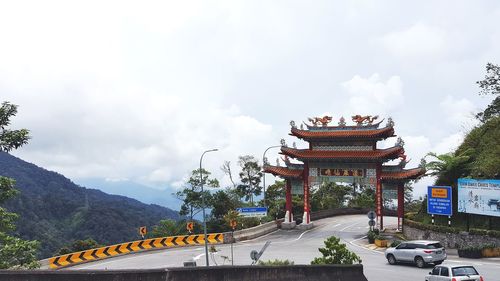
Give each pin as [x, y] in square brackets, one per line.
[301, 247]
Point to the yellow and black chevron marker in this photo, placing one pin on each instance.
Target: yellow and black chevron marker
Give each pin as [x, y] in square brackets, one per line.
[128, 247]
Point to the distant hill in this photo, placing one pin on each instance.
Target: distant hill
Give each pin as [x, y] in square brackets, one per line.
[55, 211]
[134, 190]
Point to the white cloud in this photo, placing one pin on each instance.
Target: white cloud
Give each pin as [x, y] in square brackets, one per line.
[419, 40]
[370, 95]
[458, 111]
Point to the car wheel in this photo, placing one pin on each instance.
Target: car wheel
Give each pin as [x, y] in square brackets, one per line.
[438, 262]
[420, 262]
[391, 259]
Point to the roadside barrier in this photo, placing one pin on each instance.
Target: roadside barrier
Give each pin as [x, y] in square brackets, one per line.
[135, 246]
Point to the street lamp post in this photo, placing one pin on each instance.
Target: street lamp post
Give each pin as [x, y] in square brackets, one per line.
[263, 173]
[203, 207]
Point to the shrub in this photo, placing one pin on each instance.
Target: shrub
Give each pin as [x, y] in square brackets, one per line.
[275, 262]
[335, 252]
[371, 236]
[395, 243]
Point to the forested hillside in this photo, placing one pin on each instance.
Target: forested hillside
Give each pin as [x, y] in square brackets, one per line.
[55, 211]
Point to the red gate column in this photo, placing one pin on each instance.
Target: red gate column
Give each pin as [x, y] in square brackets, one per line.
[379, 203]
[401, 206]
[306, 218]
[288, 206]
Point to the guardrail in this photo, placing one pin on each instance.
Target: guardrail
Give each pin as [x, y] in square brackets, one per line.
[131, 247]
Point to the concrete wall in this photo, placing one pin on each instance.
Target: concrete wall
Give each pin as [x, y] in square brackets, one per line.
[226, 273]
[254, 232]
[449, 240]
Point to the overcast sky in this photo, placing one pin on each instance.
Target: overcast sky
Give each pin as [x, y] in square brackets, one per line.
[136, 91]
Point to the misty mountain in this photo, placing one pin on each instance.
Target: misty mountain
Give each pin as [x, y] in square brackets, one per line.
[134, 190]
[56, 211]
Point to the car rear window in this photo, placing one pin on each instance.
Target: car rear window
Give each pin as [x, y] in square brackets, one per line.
[434, 246]
[464, 271]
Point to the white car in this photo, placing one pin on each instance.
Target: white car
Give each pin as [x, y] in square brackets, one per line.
[454, 273]
[419, 252]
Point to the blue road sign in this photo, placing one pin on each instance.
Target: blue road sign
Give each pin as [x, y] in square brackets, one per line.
[439, 200]
[252, 211]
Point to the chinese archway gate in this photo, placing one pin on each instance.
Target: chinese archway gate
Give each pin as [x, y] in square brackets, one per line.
[343, 153]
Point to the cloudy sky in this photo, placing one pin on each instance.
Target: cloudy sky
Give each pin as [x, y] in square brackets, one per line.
[136, 91]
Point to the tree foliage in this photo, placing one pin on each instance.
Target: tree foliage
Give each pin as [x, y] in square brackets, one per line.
[168, 227]
[250, 177]
[191, 195]
[14, 252]
[79, 245]
[490, 85]
[335, 252]
[329, 196]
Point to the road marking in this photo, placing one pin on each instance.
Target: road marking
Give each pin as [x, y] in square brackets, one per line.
[337, 225]
[368, 249]
[198, 256]
[351, 225]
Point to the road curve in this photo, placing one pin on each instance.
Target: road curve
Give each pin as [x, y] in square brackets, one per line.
[301, 247]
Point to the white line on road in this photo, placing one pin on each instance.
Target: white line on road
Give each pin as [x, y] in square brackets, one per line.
[368, 249]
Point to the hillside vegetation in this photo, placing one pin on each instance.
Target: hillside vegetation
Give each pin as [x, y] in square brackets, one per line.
[55, 211]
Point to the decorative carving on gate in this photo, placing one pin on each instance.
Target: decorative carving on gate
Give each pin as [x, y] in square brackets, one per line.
[323, 120]
[342, 121]
[364, 120]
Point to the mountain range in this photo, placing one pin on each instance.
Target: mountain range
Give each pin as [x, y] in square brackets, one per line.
[55, 211]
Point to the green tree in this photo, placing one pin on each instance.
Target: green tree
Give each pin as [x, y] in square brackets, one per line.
[191, 194]
[364, 199]
[490, 86]
[222, 203]
[275, 199]
[335, 252]
[250, 176]
[14, 252]
[168, 228]
[329, 196]
[79, 245]
[449, 167]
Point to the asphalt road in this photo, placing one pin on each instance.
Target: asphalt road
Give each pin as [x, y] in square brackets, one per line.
[298, 246]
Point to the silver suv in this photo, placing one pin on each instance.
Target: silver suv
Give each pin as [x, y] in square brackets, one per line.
[420, 252]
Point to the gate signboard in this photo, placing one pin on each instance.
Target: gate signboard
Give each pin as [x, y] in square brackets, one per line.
[439, 200]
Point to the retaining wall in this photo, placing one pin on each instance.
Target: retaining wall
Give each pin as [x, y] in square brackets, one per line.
[449, 240]
[226, 273]
[256, 231]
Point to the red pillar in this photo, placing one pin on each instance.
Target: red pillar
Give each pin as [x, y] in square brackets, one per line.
[378, 198]
[401, 205]
[288, 205]
[306, 219]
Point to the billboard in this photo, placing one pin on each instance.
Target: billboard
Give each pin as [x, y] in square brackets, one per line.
[480, 197]
[439, 200]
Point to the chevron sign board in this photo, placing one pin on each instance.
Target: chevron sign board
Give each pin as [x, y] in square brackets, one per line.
[135, 246]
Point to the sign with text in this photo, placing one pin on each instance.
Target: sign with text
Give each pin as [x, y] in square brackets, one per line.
[342, 172]
[252, 211]
[439, 200]
[480, 197]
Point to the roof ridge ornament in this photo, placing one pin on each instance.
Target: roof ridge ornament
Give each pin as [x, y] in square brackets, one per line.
[266, 161]
[364, 120]
[342, 122]
[323, 120]
[302, 127]
[294, 145]
[400, 142]
[278, 162]
[423, 163]
[390, 123]
[292, 123]
[283, 143]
